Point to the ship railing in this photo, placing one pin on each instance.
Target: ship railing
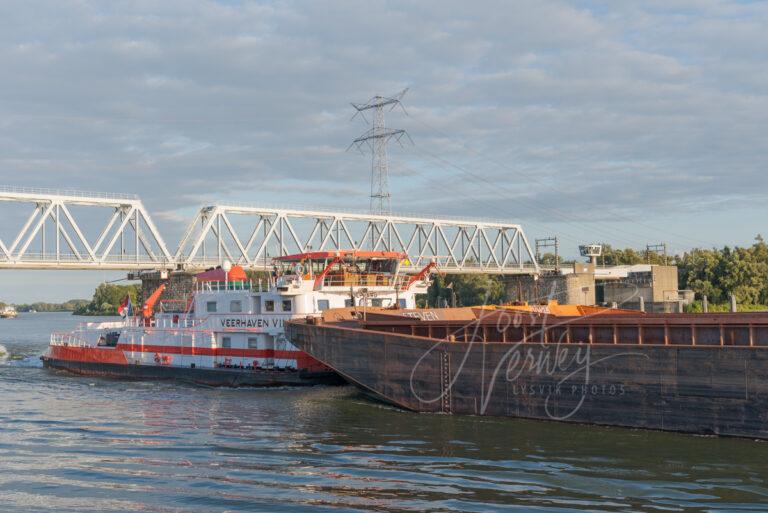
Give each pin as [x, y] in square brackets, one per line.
[227, 286]
[288, 280]
[101, 325]
[67, 338]
[164, 322]
[598, 328]
[344, 279]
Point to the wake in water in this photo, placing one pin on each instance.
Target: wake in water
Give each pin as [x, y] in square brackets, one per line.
[18, 360]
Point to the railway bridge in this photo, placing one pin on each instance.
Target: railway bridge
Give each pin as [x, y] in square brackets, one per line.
[64, 229]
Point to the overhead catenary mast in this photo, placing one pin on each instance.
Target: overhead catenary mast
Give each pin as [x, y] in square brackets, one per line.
[376, 139]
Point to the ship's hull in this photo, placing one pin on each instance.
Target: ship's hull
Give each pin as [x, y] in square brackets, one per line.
[719, 390]
[210, 377]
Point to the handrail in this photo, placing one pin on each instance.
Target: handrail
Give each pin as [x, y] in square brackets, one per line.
[224, 286]
[66, 192]
[300, 209]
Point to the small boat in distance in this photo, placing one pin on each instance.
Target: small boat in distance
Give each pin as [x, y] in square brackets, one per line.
[229, 330]
[8, 312]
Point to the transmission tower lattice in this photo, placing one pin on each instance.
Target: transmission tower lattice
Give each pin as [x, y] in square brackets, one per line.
[376, 139]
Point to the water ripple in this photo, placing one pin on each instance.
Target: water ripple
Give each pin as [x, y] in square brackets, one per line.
[76, 444]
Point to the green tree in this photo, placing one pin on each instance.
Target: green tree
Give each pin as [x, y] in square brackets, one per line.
[470, 289]
[717, 273]
[107, 298]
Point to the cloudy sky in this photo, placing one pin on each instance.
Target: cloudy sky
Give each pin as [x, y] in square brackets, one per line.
[624, 122]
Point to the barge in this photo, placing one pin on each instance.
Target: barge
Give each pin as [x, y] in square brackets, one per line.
[691, 373]
[230, 330]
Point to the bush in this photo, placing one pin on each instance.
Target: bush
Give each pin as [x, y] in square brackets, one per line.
[107, 298]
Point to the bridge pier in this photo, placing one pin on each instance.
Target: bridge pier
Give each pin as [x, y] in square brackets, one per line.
[577, 288]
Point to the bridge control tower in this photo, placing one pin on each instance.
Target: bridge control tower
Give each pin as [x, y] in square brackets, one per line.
[592, 251]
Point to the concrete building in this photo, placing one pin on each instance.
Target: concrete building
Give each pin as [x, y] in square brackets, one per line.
[575, 286]
[653, 288]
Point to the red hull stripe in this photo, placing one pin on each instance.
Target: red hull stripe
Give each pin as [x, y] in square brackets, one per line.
[117, 354]
[209, 351]
[88, 354]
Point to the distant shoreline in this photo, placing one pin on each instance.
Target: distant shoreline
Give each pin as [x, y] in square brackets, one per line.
[41, 306]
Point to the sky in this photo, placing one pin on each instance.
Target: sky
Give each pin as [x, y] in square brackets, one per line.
[629, 123]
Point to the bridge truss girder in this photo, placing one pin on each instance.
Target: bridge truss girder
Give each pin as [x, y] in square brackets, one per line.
[259, 234]
[128, 239]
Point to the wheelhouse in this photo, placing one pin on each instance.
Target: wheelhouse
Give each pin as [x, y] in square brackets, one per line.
[347, 268]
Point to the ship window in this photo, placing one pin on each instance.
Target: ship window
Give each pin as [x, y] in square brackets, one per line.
[287, 305]
[377, 301]
[269, 305]
[323, 304]
[253, 343]
[348, 303]
[210, 306]
[257, 304]
[403, 303]
[236, 306]
[226, 342]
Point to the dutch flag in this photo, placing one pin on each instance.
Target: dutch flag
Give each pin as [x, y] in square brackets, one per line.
[126, 308]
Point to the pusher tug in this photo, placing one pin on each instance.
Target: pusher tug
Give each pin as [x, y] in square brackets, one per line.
[229, 331]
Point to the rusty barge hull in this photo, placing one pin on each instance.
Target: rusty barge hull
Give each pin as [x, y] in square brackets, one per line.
[703, 374]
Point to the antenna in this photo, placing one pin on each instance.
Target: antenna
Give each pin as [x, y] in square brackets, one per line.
[548, 242]
[660, 249]
[376, 139]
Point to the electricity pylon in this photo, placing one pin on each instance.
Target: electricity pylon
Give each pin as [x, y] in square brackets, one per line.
[376, 139]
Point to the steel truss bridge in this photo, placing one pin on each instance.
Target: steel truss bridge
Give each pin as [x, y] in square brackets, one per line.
[79, 230]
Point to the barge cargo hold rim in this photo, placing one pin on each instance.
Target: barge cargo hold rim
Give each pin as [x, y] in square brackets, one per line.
[704, 330]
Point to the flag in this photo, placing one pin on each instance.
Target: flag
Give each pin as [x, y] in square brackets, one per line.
[126, 308]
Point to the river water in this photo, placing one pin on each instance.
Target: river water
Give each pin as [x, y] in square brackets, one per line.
[77, 444]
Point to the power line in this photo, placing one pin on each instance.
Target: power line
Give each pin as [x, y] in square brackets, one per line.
[549, 210]
[466, 195]
[555, 189]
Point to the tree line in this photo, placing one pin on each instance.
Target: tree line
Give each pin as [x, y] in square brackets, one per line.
[42, 306]
[716, 272]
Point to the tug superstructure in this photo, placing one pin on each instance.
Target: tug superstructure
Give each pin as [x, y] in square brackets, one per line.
[230, 329]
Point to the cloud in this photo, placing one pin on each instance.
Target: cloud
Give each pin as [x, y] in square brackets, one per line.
[584, 115]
